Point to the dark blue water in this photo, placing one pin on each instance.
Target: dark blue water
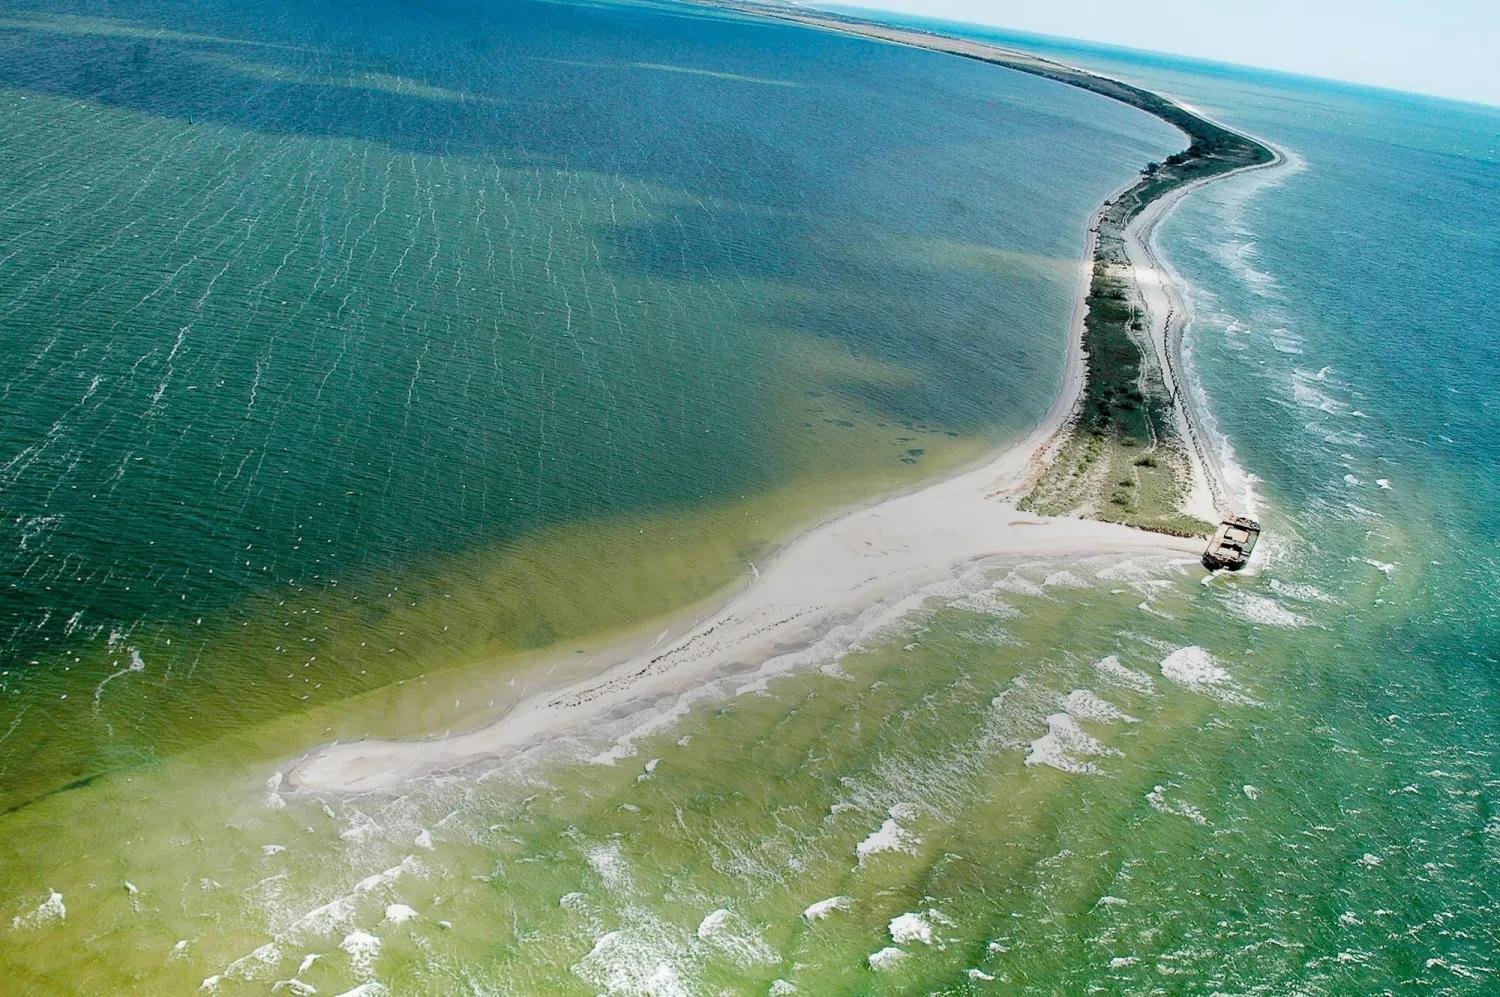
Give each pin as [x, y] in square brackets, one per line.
[313, 301]
[966, 792]
[1346, 311]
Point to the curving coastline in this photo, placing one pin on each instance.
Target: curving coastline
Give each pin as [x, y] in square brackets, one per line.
[840, 579]
[1210, 492]
[1137, 451]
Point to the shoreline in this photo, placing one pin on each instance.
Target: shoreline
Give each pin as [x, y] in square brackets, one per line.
[1168, 318]
[878, 558]
[869, 564]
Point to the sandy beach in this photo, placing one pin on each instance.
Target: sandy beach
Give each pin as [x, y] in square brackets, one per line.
[882, 555]
[1211, 496]
[874, 562]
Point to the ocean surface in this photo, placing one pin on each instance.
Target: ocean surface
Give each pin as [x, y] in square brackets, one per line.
[356, 357]
[376, 342]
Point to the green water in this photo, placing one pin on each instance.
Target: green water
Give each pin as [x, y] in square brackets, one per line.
[341, 350]
[1091, 867]
[1085, 776]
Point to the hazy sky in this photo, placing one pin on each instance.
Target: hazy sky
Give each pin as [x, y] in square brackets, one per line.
[1446, 47]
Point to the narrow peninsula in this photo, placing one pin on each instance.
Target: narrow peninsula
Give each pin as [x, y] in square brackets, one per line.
[1119, 465]
[1134, 450]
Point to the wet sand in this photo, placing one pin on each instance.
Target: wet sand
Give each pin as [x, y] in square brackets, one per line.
[882, 556]
[879, 559]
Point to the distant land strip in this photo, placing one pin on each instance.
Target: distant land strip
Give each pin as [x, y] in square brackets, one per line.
[1125, 456]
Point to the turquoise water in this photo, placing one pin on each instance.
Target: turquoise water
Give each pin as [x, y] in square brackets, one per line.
[1086, 776]
[305, 308]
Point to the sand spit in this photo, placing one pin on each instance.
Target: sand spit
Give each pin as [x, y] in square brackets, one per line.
[835, 571]
[830, 573]
[1210, 497]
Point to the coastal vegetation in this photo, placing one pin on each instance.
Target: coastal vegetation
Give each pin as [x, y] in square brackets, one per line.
[1127, 457]
[1123, 460]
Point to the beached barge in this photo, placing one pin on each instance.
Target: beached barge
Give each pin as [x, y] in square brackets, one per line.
[1232, 544]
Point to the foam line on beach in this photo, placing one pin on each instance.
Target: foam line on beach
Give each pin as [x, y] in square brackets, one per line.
[1212, 495]
[835, 571]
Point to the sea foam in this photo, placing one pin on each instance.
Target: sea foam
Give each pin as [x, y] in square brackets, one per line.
[888, 837]
[820, 910]
[1064, 743]
[1194, 667]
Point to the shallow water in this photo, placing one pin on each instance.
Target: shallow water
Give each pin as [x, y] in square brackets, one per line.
[340, 349]
[1086, 776]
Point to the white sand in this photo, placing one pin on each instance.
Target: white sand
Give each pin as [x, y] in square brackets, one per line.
[1211, 497]
[866, 557]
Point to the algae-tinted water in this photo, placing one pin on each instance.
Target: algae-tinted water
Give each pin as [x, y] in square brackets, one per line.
[346, 346]
[1058, 777]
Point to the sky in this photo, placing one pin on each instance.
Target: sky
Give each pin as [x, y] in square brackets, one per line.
[1448, 48]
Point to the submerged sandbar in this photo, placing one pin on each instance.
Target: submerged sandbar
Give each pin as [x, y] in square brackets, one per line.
[882, 557]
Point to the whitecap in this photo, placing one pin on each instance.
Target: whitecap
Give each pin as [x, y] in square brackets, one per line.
[641, 962]
[1259, 609]
[334, 916]
[735, 938]
[52, 909]
[1019, 584]
[399, 913]
[987, 603]
[363, 949]
[1159, 802]
[360, 829]
[247, 967]
[1125, 571]
[1301, 591]
[371, 989]
[273, 796]
[915, 926]
[713, 923]
[1085, 705]
[820, 910]
[1062, 745]
[389, 876]
[1194, 667]
[888, 837]
[1110, 668]
[609, 862]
